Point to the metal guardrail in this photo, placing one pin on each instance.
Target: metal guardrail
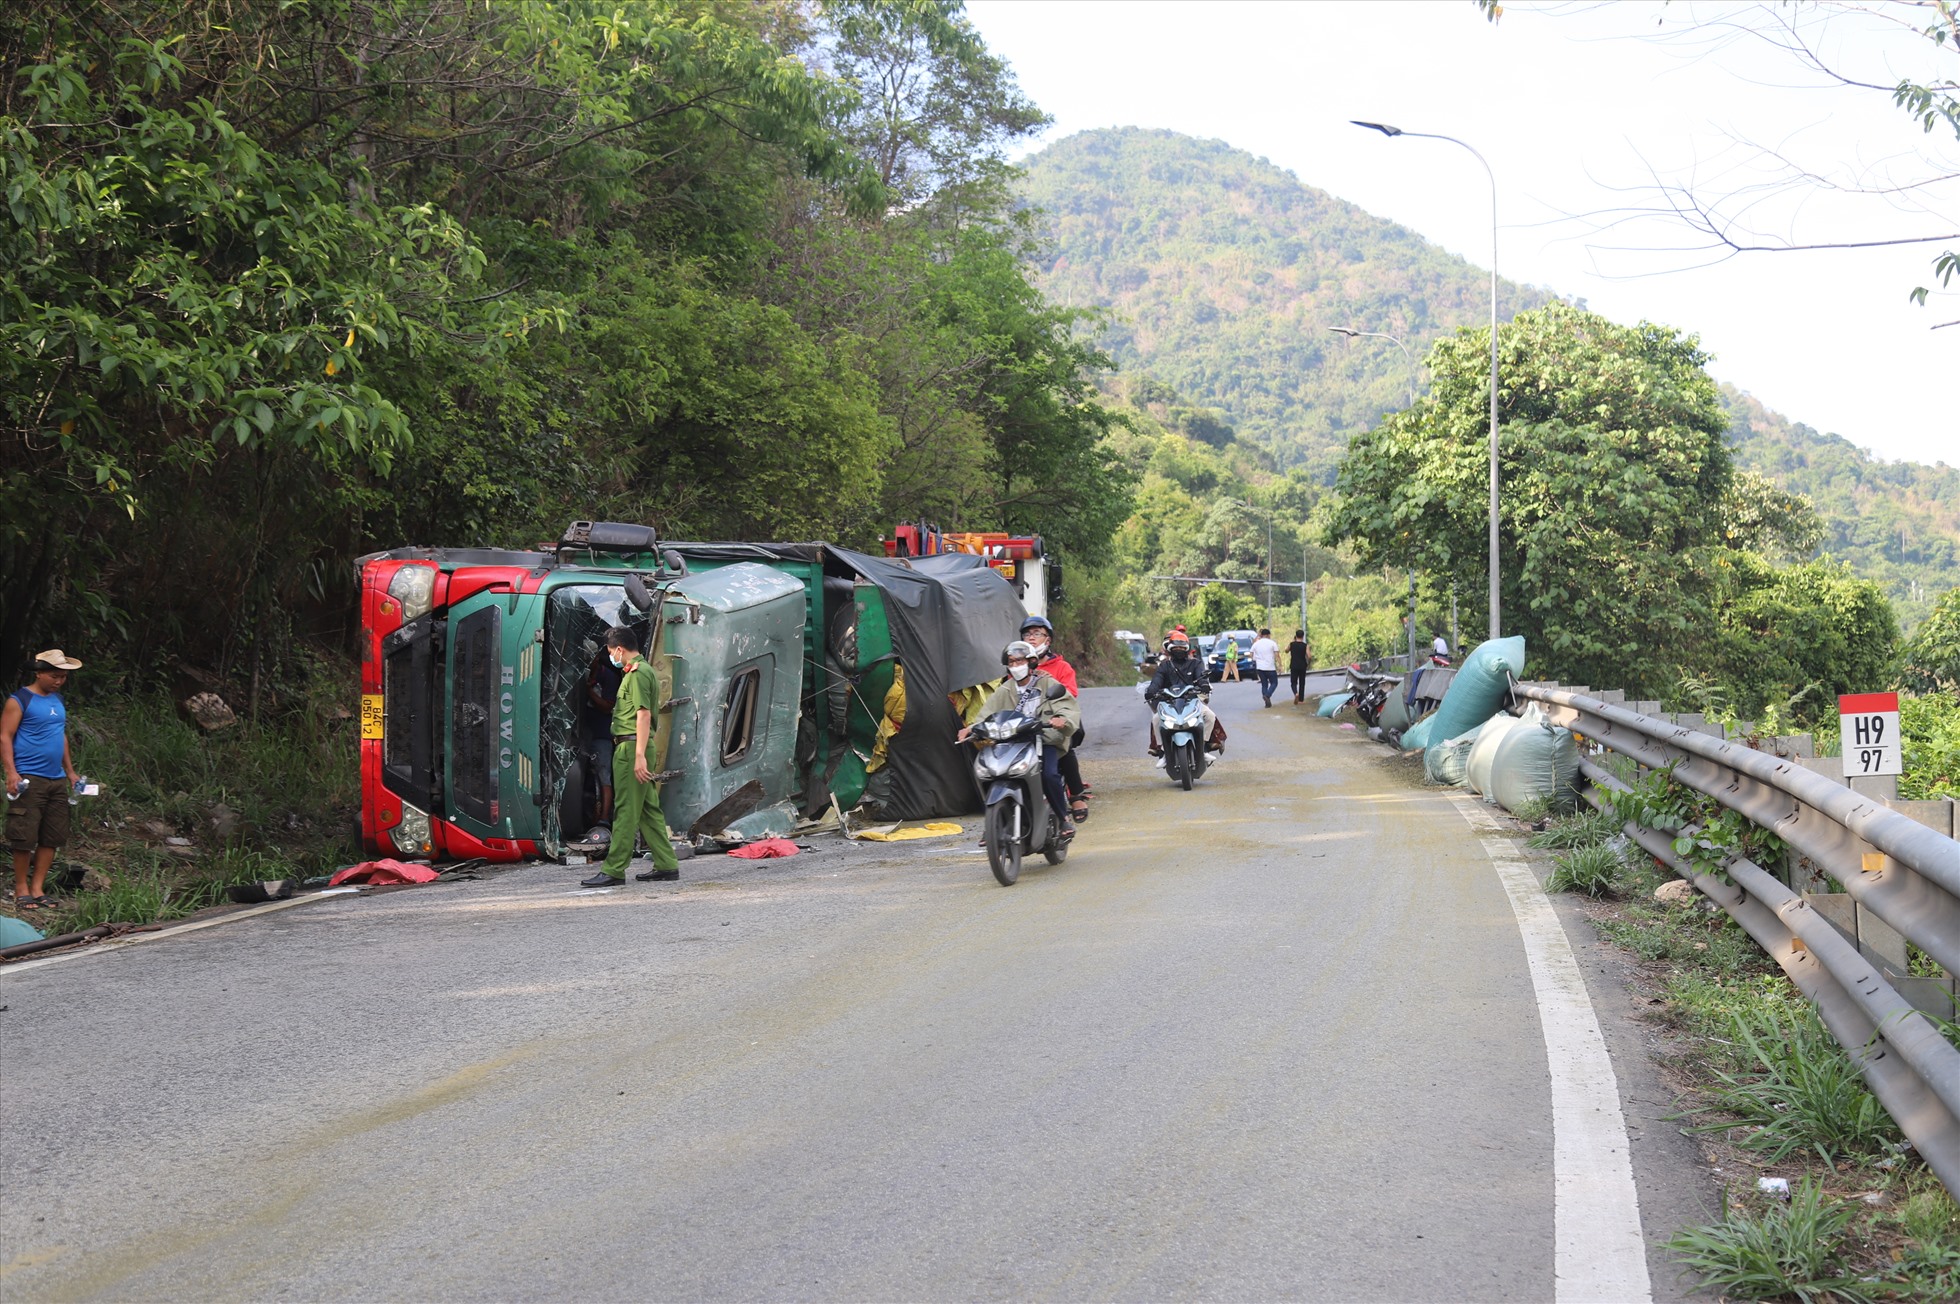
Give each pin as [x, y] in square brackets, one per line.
[1901, 871]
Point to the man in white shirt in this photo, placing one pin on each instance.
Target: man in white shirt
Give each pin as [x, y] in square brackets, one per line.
[1265, 659]
[1441, 647]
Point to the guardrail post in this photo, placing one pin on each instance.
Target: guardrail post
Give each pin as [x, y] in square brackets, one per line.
[1885, 787]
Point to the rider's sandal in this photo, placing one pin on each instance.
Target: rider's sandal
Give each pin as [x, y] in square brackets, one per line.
[1079, 811]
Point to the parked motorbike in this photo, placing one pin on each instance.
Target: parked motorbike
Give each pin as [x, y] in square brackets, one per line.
[1181, 733]
[1370, 695]
[1019, 819]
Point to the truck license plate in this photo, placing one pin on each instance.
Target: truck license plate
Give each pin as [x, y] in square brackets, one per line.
[370, 715]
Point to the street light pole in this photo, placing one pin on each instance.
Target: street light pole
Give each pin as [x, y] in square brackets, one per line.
[1409, 357]
[1387, 130]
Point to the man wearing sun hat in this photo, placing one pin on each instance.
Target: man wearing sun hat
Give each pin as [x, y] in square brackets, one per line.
[40, 773]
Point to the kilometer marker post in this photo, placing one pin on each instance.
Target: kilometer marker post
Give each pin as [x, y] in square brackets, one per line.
[1868, 725]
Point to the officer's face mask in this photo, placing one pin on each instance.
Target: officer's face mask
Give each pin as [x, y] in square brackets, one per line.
[618, 660]
[1018, 669]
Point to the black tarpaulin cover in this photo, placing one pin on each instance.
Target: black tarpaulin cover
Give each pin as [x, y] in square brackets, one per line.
[950, 616]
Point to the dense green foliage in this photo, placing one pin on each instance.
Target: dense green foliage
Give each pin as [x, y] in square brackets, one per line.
[1896, 522]
[288, 282]
[1223, 273]
[1932, 655]
[1633, 552]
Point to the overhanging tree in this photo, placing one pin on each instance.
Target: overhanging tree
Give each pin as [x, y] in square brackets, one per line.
[1614, 483]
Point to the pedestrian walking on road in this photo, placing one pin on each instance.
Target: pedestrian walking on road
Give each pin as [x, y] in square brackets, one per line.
[1265, 659]
[1299, 655]
[1231, 658]
[40, 774]
[636, 797]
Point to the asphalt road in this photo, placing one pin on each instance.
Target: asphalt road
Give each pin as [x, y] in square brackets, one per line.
[1273, 1038]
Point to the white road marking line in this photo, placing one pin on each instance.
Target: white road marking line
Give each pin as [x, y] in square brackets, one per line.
[1599, 1254]
[118, 943]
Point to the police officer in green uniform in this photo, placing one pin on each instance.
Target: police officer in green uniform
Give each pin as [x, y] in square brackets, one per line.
[636, 797]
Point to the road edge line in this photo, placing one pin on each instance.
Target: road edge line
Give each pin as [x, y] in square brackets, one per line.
[120, 943]
[1600, 1251]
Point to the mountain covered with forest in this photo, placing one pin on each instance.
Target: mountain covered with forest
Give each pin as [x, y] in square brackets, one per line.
[1222, 274]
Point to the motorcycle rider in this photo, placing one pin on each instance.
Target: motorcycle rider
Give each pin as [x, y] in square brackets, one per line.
[1178, 668]
[1039, 634]
[1039, 696]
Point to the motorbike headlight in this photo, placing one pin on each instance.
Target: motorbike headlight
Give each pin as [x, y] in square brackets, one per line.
[413, 836]
[415, 588]
[1019, 768]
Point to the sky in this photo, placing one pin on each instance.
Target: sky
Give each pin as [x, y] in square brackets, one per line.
[1578, 108]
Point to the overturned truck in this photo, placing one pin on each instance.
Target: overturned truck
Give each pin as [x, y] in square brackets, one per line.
[483, 674]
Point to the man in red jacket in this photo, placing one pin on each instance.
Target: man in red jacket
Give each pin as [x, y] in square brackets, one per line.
[1040, 635]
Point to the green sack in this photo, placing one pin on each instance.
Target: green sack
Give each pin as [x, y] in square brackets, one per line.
[1418, 734]
[1395, 713]
[1535, 761]
[1476, 770]
[1332, 703]
[1448, 762]
[17, 932]
[1479, 687]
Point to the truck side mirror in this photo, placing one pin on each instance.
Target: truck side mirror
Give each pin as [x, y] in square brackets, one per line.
[675, 564]
[638, 594]
[1054, 581]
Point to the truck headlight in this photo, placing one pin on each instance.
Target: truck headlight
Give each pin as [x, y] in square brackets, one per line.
[413, 836]
[415, 588]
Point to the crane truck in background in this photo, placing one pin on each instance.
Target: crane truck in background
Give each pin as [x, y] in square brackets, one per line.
[1021, 559]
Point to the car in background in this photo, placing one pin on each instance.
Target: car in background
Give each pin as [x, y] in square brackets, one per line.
[1137, 646]
[1215, 653]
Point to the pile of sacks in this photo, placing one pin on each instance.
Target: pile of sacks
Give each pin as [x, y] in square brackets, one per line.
[1469, 740]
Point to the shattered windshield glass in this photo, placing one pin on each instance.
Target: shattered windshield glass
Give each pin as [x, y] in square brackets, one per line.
[574, 729]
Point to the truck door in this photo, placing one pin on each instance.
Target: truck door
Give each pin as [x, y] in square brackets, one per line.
[491, 746]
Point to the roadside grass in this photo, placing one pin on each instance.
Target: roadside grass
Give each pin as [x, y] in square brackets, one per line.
[271, 799]
[1590, 870]
[1699, 934]
[1765, 1088]
[1795, 1250]
[1585, 828]
[1795, 1090]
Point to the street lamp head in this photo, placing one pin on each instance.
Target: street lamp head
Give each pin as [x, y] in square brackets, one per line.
[1348, 331]
[1382, 127]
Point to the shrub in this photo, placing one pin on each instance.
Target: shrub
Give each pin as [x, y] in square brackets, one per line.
[1590, 870]
[1798, 1090]
[1794, 1249]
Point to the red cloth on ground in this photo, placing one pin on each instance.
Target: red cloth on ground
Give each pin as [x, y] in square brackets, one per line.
[767, 849]
[383, 871]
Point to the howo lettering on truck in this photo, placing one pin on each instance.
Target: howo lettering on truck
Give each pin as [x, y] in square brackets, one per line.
[774, 661]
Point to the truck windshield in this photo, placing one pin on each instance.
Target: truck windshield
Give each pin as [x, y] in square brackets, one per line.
[573, 727]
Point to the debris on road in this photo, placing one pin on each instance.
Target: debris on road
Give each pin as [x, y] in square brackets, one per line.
[378, 872]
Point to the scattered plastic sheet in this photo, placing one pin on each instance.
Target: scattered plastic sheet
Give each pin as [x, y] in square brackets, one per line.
[938, 829]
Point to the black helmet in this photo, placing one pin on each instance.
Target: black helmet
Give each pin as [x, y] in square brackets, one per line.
[1017, 650]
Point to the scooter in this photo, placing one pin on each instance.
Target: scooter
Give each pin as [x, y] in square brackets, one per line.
[1181, 733]
[1019, 820]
